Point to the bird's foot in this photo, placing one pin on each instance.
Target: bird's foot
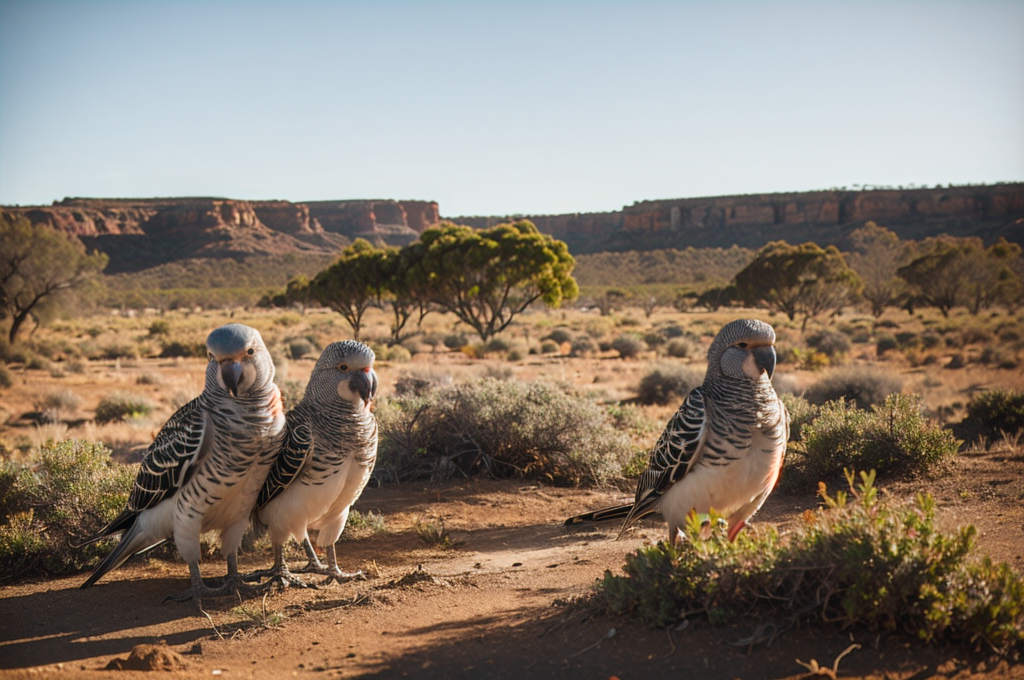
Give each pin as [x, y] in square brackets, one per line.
[314, 566]
[229, 585]
[283, 579]
[336, 575]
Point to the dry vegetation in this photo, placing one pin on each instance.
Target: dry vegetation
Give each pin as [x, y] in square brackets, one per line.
[115, 378]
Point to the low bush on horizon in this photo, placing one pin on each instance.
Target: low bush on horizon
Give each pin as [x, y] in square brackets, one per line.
[864, 385]
[120, 406]
[922, 582]
[668, 384]
[499, 428]
[995, 413]
[66, 495]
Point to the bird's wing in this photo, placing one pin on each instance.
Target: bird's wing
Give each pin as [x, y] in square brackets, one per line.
[171, 459]
[676, 452]
[296, 450]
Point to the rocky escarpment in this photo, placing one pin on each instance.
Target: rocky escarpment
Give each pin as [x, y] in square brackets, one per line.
[142, 233]
[825, 217]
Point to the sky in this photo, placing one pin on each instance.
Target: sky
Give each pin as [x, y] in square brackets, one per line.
[498, 108]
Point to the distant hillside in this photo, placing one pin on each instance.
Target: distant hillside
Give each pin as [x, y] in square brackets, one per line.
[139, 234]
[706, 266]
[825, 217]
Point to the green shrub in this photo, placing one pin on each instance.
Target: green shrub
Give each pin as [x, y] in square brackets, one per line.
[122, 406]
[583, 345]
[628, 345]
[300, 347]
[996, 412]
[801, 413]
[38, 363]
[831, 344]
[862, 384]
[668, 383]
[893, 438]
[859, 562]
[496, 345]
[560, 335]
[5, 377]
[292, 392]
[160, 327]
[500, 428]
[183, 349]
[455, 341]
[549, 347]
[67, 496]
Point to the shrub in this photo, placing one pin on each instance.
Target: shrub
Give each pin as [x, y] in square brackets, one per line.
[560, 335]
[160, 327]
[549, 347]
[39, 363]
[57, 406]
[921, 581]
[148, 379]
[69, 495]
[583, 345]
[628, 345]
[801, 414]
[654, 339]
[455, 341]
[122, 406]
[500, 428]
[683, 348]
[183, 349]
[996, 412]
[299, 348]
[5, 377]
[862, 384]
[495, 345]
[885, 343]
[831, 344]
[292, 392]
[668, 383]
[893, 438]
[123, 350]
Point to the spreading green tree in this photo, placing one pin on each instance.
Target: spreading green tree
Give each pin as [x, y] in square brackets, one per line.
[805, 279]
[404, 288]
[355, 282]
[39, 268]
[876, 253]
[486, 277]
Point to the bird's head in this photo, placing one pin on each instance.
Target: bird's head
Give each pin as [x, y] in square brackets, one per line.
[239, 361]
[344, 369]
[744, 348]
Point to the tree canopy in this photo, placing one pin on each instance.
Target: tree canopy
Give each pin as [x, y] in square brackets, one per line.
[875, 255]
[355, 281]
[804, 279]
[38, 266]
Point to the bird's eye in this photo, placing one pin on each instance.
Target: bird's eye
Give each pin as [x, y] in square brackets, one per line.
[742, 345]
[251, 351]
[343, 367]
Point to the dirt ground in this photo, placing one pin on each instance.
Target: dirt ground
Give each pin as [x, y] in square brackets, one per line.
[499, 603]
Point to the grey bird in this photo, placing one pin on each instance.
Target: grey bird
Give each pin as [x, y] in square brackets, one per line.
[204, 470]
[724, 448]
[328, 455]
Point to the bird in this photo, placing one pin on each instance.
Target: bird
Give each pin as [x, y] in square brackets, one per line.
[204, 470]
[328, 454]
[723, 449]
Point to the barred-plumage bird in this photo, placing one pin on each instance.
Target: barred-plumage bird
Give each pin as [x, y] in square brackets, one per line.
[204, 470]
[326, 460]
[724, 448]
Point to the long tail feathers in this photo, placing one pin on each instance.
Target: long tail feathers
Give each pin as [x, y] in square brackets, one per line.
[120, 523]
[602, 515]
[133, 541]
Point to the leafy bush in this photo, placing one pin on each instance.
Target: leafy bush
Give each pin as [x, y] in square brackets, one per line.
[183, 349]
[498, 428]
[801, 413]
[496, 345]
[292, 392]
[893, 438]
[831, 344]
[549, 347]
[583, 345]
[920, 580]
[885, 343]
[455, 341]
[862, 384]
[668, 383]
[299, 348]
[122, 406]
[67, 496]
[160, 327]
[560, 335]
[628, 345]
[995, 412]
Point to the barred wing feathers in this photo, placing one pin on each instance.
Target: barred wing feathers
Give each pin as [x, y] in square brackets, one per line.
[295, 452]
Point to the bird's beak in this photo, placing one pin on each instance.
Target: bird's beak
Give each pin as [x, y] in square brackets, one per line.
[765, 359]
[231, 371]
[364, 383]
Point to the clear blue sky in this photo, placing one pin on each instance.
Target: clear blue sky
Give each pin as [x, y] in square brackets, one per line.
[505, 107]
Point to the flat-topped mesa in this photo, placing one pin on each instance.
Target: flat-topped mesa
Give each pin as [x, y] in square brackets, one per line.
[376, 220]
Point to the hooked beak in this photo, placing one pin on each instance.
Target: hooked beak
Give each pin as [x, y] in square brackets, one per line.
[765, 359]
[364, 383]
[231, 371]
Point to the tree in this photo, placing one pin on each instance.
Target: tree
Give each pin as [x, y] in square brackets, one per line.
[876, 254]
[714, 298]
[38, 267]
[992, 275]
[485, 278]
[403, 287]
[352, 284]
[804, 279]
